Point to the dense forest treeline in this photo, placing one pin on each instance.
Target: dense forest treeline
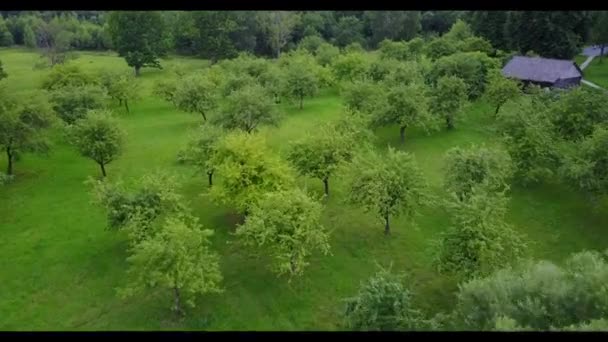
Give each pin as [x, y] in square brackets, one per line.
[224, 34]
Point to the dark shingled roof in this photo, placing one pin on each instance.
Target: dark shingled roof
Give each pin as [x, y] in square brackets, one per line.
[540, 69]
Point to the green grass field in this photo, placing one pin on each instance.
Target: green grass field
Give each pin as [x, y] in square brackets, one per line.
[59, 267]
[597, 72]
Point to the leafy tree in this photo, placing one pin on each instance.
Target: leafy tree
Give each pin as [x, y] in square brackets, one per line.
[479, 240]
[556, 34]
[123, 88]
[388, 185]
[301, 79]
[98, 137]
[196, 94]
[539, 295]
[247, 109]
[320, 154]
[529, 139]
[476, 166]
[279, 26]
[459, 31]
[178, 258]
[286, 225]
[6, 37]
[54, 40]
[72, 103]
[201, 149]
[403, 73]
[361, 96]
[29, 37]
[479, 44]
[213, 30]
[397, 50]
[405, 106]
[599, 31]
[248, 169]
[393, 25]
[490, 25]
[349, 29]
[22, 126]
[137, 208]
[3, 73]
[586, 166]
[326, 53]
[576, 113]
[438, 21]
[233, 82]
[67, 75]
[310, 43]
[500, 90]
[139, 37]
[273, 79]
[351, 66]
[354, 47]
[471, 67]
[166, 89]
[383, 303]
[439, 47]
[450, 96]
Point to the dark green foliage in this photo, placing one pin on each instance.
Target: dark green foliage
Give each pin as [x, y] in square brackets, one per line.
[392, 25]
[586, 166]
[476, 166]
[383, 303]
[73, 102]
[490, 25]
[139, 37]
[479, 240]
[348, 30]
[67, 75]
[529, 139]
[3, 73]
[438, 22]
[537, 295]
[471, 67]
[577, 111]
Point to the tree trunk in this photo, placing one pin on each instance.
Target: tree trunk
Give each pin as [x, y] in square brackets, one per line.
[292, 264]
[602, 52]
[120, 102]
[326, 184]
[103, 169]
[137, 71]
[387, 227]
[177, 308]
[449, 121]
[210, 175]
[127, 106]
[301, 101]
[204, 116]
[402, 133]
[496, 111]
[9, 158]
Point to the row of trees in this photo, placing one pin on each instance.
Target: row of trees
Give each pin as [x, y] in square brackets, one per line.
[551, 34]
[221, 34]
[532, 296]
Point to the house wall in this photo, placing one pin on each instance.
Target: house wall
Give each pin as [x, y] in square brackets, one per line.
[568, 82]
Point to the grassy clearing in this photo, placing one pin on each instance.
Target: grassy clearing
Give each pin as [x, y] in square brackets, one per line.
[597, 72]
[60, 267]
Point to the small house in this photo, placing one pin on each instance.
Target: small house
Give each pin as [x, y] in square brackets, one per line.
[545, 72]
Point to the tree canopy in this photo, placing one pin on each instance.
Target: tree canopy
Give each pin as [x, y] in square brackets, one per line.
[139, 37]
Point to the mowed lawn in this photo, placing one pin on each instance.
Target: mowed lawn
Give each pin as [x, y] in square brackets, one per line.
[597, 72]
[60, 267]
